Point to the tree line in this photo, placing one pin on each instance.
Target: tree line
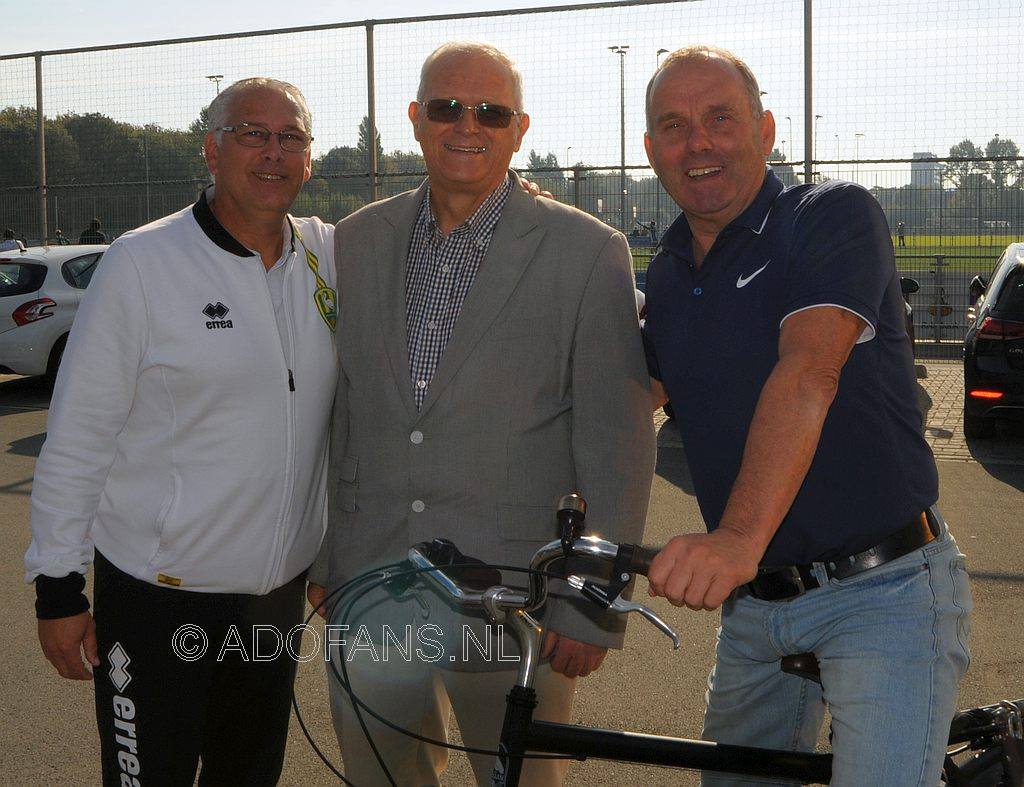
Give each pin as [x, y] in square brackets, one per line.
[128, 174]
[969, 193]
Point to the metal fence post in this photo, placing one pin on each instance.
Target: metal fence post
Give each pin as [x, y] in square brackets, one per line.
[808, 98]
[371, 114]
[41, 149]
[940, 263]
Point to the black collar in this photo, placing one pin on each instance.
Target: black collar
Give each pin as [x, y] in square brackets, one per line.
[678, 238]
[215, 230]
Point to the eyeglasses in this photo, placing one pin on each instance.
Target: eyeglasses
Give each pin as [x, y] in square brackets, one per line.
[253, 136]
[448, 110]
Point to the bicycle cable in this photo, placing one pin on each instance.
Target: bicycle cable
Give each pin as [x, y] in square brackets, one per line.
[347, 685]
[383, 576]
[338, 591]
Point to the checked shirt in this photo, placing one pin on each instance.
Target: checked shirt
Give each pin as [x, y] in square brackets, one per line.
[438, 274]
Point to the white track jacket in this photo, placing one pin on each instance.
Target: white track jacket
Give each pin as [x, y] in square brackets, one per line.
[180, 443]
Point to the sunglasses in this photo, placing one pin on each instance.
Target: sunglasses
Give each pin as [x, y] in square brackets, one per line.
[448, 110]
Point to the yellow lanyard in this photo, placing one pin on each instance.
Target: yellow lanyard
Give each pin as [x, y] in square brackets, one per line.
[325, 298]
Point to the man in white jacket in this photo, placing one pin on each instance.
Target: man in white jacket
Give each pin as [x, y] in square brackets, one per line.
[185, 459]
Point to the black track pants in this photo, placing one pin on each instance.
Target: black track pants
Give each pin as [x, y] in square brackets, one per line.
[159, 713]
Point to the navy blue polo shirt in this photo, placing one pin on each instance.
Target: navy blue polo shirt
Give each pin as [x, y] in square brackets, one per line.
[712, 338]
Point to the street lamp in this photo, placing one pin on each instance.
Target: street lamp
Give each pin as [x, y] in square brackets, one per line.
[620, 50]
[145, 153]
[567, 149]
[657, 183]
[838, 173]
[856, 154]
[790, 136]
[814, 142]
[215, 78]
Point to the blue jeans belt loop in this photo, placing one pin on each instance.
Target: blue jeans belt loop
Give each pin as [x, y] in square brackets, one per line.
[784, 583]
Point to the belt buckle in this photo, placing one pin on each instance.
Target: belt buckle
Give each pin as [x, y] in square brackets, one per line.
[782, 578]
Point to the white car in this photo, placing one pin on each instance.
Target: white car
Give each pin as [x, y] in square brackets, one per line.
[40, 288]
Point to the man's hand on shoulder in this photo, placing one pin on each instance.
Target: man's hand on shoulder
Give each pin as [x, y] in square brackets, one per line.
[700, 570]
[534, 190]
[64, 639]
[570, 657]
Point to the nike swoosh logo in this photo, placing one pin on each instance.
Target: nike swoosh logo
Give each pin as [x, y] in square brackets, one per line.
[743, 281]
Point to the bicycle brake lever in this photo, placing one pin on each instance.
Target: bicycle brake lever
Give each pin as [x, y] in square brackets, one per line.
[631, 606]
[594, 592]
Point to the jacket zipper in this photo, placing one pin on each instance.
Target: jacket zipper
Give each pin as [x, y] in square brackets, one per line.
[289, 475]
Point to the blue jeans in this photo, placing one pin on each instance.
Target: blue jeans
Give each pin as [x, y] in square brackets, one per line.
[892, 645]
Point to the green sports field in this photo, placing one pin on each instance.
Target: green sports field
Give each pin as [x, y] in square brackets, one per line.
[971, 245]
[967, 253]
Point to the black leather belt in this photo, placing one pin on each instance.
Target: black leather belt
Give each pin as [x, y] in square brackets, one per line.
[784, 583]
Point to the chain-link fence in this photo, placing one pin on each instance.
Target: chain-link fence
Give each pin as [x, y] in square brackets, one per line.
[914, 99]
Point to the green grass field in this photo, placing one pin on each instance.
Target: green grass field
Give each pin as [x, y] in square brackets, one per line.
[967, 253]
[970, 245]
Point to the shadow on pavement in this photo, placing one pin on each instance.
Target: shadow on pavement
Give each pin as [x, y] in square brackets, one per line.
[1006, 468]
[924, 402]
[672, 465]
[23, 487]
[27, 446]
[997, 576]
[24, 392]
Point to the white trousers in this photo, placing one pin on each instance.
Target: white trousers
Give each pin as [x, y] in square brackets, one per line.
[419, 698]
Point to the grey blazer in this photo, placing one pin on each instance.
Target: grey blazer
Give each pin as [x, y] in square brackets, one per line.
[542, 390]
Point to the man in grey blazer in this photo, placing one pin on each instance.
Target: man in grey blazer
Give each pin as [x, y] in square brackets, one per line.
[491, 362]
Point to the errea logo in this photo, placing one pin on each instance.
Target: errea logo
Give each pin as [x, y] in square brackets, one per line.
[119, 661]
[217, 312]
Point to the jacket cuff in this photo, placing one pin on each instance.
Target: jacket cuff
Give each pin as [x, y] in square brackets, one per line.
[580, 619]
[60, 597]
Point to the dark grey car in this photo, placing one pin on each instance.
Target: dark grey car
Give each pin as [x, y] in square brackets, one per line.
[994, 346]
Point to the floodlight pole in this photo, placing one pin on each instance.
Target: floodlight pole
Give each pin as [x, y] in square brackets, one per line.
[808, 97]
[41, 149]
[620, 50]
[371, 114]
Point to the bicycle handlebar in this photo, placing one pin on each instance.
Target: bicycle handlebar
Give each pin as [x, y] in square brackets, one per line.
[641, 558]
[446, 567]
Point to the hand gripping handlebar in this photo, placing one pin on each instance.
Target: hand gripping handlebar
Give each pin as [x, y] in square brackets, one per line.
[471, 584]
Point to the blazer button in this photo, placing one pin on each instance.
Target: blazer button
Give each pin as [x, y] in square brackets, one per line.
[416, 437]
[418, 506]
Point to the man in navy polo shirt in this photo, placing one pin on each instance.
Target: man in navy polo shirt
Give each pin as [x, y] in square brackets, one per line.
[775, 326]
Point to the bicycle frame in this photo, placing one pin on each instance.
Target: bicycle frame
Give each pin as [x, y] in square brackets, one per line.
[521, 734]
[994, 732]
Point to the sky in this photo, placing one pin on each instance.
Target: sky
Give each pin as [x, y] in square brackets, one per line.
[63, 24]
[891, 77]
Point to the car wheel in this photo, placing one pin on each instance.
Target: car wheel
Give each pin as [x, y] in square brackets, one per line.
[53, 364]
[976, 426]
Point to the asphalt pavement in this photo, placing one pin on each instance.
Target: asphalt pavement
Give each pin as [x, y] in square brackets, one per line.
[49, 730]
